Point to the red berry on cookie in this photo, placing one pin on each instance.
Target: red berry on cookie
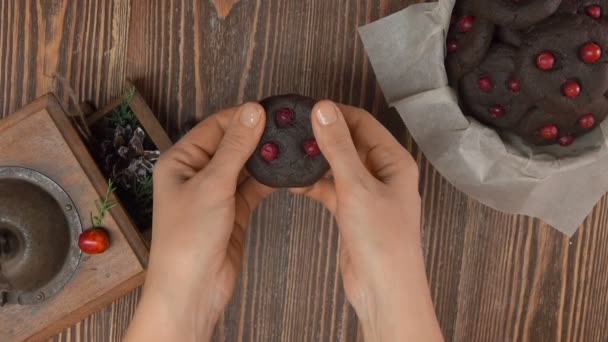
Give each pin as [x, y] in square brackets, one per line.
[497, 111]
[548, 132]
[311, 148]
[571, 89]
[465, 23]
[513, 85]
[452, 45]
[591, 52]
[586, 121]
[269, 151]
[565, 140]
[594, 11]
[545, 60]
[284, 117]
[484, 83]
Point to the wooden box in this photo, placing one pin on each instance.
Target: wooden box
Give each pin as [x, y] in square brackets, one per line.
[42, 137]
[148, 122]
[145, 116]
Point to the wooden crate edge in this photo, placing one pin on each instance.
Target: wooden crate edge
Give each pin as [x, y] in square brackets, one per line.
[129, 230]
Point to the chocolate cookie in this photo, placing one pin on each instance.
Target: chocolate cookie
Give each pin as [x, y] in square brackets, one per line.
[509, 36]
[492, 92]
[561, 64]
[468, 40]
[540, 127]
[287, 155]
[596, 9]
[516, 14]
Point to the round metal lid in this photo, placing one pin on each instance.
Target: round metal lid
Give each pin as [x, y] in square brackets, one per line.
[39, 229]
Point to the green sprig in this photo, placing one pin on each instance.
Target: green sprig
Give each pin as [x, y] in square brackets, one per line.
[143, 190]
[123, 115]
[103, 205]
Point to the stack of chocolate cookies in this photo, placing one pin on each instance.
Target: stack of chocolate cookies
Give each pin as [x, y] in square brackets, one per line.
[537, 68]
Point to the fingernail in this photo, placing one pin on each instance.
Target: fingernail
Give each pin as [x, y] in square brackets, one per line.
[250, 115]
[326, 113]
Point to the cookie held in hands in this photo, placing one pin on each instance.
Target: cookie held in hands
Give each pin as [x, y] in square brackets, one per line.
[287, 155]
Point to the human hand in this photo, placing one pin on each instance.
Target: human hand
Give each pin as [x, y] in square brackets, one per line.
[202, 204]
[374, 196]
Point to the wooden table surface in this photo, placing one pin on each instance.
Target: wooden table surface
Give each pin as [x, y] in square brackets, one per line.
[494, 277]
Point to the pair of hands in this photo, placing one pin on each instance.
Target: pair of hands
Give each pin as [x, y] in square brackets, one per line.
[203, 200]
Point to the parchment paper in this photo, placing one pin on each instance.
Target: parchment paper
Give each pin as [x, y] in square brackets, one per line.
[558, 185]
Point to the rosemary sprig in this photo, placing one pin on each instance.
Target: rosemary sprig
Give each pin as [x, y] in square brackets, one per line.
[103, 205]
[123, 115]
[143, 190]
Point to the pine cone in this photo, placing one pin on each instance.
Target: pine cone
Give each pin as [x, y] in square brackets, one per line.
[125, 159]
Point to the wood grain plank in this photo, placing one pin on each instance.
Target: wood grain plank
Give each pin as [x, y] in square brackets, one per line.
[108, 324]
[521, 280]
[67, 47]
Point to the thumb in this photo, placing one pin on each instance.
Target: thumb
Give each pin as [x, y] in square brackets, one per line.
[239, 142]
[334, 139]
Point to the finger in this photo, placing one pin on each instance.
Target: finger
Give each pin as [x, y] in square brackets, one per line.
[243, 176]
[334, 139]
[192, 153]
[384, 156]
[237, 145]
[392, 165]
[323, 191]
[254, 192]
[249, 195]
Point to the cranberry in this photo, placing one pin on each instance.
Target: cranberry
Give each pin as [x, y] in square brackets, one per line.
[586, 121]
[594, 11]
[269, 151]
[284, 117]
[497, 111]
[565, 140]
[513, 85]
[545, 60]
[93, 241]
[311, 147]
[571, 89]
[465, 24]
[548, 132]
[591, 52]
[484, 83]
[452, 45]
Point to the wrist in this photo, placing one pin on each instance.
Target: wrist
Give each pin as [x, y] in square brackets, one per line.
[396, 319]
[399, 319]
[398, 305]
[165, 317]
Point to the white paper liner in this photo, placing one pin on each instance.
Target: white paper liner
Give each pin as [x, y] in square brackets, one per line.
[558, 185]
